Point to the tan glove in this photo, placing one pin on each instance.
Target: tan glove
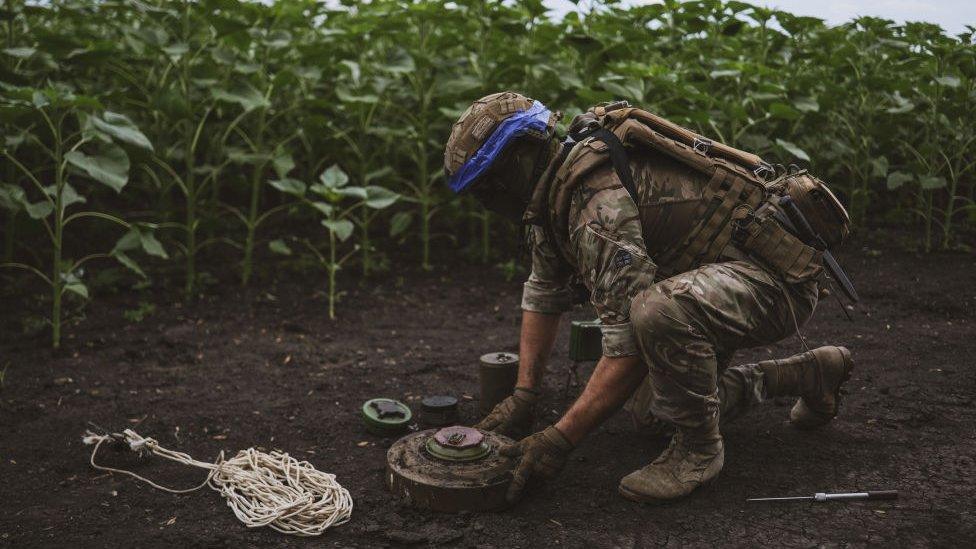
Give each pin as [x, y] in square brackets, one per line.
[514, 415]
[542, 455]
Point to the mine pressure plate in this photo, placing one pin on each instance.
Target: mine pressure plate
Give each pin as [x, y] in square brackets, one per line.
[384, 416]
[451, 469]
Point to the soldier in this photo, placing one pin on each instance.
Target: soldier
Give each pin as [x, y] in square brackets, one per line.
[686, 258]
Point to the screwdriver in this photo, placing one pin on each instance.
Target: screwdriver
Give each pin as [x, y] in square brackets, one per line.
[843, 496]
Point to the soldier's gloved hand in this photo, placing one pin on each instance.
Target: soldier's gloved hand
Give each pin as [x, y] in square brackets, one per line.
[512, 415]
[542, 455]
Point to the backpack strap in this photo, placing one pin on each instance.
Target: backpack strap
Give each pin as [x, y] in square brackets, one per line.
[618, 156]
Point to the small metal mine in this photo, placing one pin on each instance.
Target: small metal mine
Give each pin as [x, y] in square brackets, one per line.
[497, 373]
[439, 410]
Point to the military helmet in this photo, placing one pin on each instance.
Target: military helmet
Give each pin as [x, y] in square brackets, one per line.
[486, 128]
[823, 211]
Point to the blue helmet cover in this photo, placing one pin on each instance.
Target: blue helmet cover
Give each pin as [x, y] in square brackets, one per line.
[536, 118]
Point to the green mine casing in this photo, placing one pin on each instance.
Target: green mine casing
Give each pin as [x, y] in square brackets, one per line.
[497, 373]
[585, 340]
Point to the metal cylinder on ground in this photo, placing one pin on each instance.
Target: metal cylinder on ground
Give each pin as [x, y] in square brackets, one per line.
[439, 410]
[497, 373]
[452, 469]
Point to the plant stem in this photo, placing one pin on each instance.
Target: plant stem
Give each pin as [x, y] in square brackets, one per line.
[252, 213]
[8, 240]
[57, 281]
[929, 199]
[191, 191]
[367, 265]
[332, 274]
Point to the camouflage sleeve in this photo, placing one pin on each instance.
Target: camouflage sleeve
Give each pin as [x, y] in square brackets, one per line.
[613, 261]
[547, 290]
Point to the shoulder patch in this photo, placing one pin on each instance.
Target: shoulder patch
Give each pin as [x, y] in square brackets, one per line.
[622, 259]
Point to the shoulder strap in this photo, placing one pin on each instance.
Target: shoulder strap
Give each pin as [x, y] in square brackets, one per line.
[618, 156]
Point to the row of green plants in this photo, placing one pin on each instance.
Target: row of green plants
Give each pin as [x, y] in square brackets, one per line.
[227, 128]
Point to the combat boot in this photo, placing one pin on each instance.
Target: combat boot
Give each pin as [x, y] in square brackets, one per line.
[816, 377]
[691, 460]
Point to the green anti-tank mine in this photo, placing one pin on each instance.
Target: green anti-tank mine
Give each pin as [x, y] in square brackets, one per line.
[386, 417]
[452, 469]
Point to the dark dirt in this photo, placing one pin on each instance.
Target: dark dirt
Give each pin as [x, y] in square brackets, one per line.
[268, 368]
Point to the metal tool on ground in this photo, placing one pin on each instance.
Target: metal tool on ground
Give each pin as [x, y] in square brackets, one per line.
[269, 489]
[439, 411]
[452, 469]
[386, 417]
[497, 373]
[842, 496]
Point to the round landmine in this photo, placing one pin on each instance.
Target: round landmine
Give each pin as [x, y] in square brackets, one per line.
[439, 410]
[386, 417]
[452, 469]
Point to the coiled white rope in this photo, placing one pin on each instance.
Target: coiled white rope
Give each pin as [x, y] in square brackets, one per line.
[263, 489]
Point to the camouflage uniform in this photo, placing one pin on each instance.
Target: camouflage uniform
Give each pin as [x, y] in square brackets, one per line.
[685, 327]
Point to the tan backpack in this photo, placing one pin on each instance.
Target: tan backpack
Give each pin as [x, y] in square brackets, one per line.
[741, 204]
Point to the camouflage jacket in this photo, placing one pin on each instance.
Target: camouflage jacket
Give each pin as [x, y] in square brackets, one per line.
[607, 243]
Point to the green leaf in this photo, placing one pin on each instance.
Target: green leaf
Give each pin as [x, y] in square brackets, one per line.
[724, 73]
[354, 192]
[140, 237]
[400, 222]
[38, 210]
[283, 163]
[290, 186]
[342, 228]
[902, 105]
[11, 197]
[930, 182]
[110, 166]
[784, 111]
[76, 287]
[347, 97]
[245, 95]
[69, 195]
[879, 166]
[323, 207]
[334, 177]
[897, 179]
[176, 51]
[123, 129]
[152, 246]
[20, 53]
[379, 198]
[279, 247]
[806, 104]
[241, 156]
[129, 263]
[382, 172]
[793, 149]
[131, 240]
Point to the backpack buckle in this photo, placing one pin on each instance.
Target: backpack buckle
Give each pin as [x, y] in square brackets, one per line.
[701, 144]
[764, 171]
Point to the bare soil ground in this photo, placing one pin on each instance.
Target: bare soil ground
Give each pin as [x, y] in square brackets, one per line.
[268, 368]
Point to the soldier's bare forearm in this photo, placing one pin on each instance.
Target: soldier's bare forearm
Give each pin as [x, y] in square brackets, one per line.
[535, 343]
[612, 382]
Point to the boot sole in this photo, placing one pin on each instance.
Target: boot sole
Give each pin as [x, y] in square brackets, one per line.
[641, 498]
[848, 371]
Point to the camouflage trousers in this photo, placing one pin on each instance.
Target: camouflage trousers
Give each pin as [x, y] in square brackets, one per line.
[687, 329]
